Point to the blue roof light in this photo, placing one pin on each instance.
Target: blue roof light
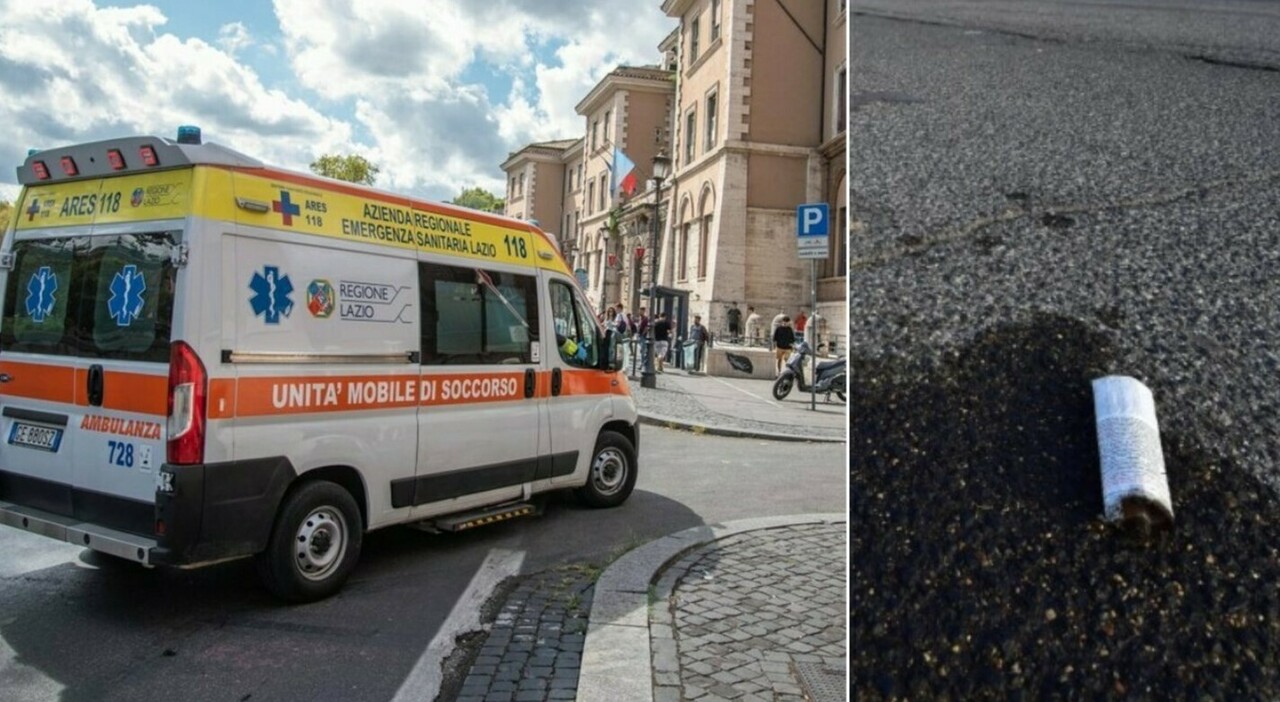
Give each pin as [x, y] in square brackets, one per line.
[188, 134]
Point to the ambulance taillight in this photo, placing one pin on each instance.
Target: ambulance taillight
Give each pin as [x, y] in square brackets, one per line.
[188, 404]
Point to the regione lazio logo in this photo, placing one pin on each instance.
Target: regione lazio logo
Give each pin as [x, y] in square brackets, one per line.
[40, 290]
[126, 300]
[136, 198]
[320, 298]
[271, 293]
[287, 209]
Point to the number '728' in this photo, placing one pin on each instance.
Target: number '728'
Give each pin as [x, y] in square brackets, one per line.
[120, 453]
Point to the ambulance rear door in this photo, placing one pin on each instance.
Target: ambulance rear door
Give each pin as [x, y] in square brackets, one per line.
[84, 351]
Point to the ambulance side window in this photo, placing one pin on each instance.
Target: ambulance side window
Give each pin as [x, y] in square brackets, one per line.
[475, 316]
[575, 327]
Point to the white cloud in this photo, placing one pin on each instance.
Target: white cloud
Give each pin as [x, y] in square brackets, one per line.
[121, 76]
[403, 72]
[233, 37]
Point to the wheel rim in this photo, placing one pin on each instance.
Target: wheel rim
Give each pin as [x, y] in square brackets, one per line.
[609, 471]
[320, 543]
[784, 386]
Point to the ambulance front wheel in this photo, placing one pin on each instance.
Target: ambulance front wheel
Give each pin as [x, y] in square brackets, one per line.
[314, 545]
[612, 474]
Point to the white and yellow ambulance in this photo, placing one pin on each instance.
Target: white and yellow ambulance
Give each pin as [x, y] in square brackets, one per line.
[205, 358]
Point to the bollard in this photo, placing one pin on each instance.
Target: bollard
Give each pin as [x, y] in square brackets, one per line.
[1135, 487]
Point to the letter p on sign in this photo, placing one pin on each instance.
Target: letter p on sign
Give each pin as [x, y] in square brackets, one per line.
[813, 222]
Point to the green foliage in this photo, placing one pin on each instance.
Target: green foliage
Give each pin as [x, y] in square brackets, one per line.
[6, 214]
[478, 198]
[353, 168]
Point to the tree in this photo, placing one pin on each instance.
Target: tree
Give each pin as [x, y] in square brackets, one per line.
[6, 212]
[478, 198]
[354, 168]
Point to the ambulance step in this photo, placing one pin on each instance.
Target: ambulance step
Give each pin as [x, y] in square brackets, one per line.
[491, 515]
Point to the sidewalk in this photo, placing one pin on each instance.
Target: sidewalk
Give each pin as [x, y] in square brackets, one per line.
[737, 407]
[750, 610]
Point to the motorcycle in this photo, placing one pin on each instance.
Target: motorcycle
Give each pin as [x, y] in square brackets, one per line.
[831, 375]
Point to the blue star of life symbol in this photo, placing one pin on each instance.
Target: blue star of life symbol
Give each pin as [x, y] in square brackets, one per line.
[40, 290]
[126, 295]
[271, 294]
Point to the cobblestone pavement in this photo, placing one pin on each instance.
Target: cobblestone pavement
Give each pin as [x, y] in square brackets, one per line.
[745, 617]
[533, 651]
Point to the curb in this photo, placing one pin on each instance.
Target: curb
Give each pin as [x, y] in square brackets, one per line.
[616, 661]
[673, 423]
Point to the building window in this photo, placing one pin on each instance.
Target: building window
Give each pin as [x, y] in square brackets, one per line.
[710, 140]
[690, 129]
[715, 20]
[591, 196]
[521, 190]
[604, 189]
[842, 105]
[693, 40]
[683, 267]
[579, 176]
[607, 115]
[595, 128]
[837, 263]
[704, 239]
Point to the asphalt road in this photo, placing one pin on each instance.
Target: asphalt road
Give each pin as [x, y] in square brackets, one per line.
[996, 176]
[70, 631]
[1046, 192]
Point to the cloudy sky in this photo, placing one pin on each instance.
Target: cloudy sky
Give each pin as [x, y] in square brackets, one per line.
[436, 92]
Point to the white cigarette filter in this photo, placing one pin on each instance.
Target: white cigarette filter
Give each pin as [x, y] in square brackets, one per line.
[1135, 487]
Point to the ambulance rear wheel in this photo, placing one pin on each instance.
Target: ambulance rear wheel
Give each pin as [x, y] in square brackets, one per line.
[612, 474]
[314, 545]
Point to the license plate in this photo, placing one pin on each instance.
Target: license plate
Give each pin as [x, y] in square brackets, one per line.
[46, 438]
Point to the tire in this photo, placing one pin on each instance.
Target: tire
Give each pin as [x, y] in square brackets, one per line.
[612, 475]
[324, 518]
[782, 386]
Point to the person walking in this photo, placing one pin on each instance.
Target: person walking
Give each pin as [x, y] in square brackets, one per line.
[801, 319]
[699, 335]
[661, 340]
[753, 326]
[784, 339]
[734, 317]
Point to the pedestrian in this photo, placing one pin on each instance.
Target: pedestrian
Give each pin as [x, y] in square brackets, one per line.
[813, 331]
[620, 321]
[753, 326]
[699, 335]
[661, 339]
[784, 339]
[642, 325]
[777, 322]
[608, 317]
[801, 319]
[734, 316]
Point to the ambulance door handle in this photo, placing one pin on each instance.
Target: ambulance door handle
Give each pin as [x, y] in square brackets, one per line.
[555, 382]
[530, 382]
[95, 385]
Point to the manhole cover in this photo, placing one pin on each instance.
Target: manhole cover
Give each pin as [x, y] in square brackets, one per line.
[822, 682]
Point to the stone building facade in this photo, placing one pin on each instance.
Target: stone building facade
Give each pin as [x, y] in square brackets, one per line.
[750, 103]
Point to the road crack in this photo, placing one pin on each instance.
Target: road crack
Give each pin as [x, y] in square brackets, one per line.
[1049, 215]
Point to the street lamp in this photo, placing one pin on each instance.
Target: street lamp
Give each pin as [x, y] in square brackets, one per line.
[661, 167]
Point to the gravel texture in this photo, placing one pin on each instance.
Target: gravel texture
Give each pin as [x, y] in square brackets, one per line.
[1033, 214]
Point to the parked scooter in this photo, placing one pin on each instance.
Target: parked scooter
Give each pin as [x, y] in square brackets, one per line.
[831, 374]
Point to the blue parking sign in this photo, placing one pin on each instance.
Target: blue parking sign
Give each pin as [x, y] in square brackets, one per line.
[813, 220]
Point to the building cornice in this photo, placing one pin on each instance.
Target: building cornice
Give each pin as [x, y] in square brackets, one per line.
[676, 8]
[650, 80]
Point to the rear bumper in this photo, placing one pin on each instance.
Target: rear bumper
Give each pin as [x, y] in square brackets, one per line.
[214, 512]
[99, 538]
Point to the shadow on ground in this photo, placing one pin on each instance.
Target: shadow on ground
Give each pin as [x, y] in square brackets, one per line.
[980, 568]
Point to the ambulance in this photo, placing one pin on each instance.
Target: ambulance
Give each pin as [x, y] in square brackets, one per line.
[205, 358]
